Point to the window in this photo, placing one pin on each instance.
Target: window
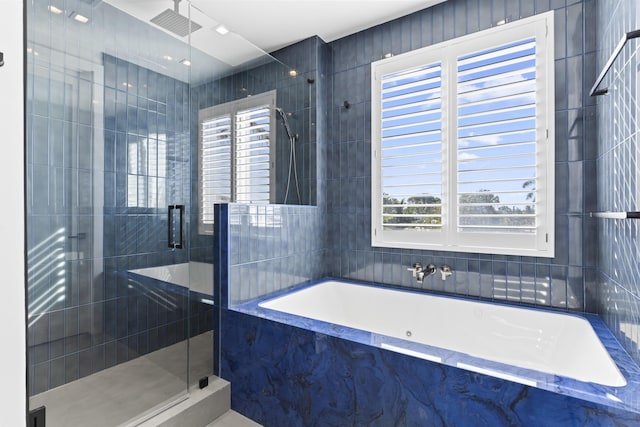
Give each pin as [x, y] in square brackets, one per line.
[462, 143]
[235, 155]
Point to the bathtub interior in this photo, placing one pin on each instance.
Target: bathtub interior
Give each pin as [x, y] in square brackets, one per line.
[546, 341]
[622, 394]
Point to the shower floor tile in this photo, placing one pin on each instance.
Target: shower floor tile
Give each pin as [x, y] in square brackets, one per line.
[116, 395]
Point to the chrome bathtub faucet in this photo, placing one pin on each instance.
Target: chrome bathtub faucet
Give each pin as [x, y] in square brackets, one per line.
[419, 272]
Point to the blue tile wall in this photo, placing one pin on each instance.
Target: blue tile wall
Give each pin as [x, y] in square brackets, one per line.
[149, 140]
[301, 96]
[323, 122]
[618, 267]
[91, 120]
[272, 248]
[557, 282]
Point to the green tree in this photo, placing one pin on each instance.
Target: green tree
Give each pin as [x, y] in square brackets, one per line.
[391, 210]
[415, 205]
[479, 203]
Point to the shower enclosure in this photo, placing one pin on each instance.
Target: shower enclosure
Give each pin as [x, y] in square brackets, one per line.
[119, 278]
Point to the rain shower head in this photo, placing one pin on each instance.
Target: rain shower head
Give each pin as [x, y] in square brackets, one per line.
[171, 20]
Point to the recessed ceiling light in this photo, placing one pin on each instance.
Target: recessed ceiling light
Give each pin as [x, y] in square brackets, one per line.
[168, 58]
[222, 30]
[80, 18]
[54, 9]
[293, 73]
[186, 62]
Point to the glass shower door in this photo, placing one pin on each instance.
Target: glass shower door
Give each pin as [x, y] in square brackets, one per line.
[108, 150]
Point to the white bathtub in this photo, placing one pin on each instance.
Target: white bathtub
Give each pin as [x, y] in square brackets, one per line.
[549, 342]
[196, 276]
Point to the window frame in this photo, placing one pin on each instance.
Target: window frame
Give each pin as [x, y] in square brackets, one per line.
[267, 99]
[540, 243]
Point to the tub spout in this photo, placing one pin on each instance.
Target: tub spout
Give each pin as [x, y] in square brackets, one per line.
[446, 271]
[431, 269]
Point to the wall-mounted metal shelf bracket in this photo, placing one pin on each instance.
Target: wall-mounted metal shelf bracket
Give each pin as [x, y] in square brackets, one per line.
[616, 215]
[623, 41]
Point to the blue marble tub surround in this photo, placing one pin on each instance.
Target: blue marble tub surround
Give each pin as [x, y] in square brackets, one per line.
[625, 398]
[310, 378]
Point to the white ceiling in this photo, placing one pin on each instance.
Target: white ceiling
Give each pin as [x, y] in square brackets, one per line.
[262, 26]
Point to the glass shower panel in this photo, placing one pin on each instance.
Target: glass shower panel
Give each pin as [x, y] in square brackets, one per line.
[108, 150]
[244, 72]
[120, 296]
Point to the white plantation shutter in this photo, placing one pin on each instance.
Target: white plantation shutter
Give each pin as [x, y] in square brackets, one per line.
[462, 143]
[253, 155]
[497, 138]
[215, 165]
[235, 154]
[411, 149]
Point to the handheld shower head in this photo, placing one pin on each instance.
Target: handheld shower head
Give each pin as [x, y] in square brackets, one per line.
[292, 155]
[283, 116]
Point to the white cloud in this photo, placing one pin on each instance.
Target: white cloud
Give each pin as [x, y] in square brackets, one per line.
[467, 156]
[483, 140]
